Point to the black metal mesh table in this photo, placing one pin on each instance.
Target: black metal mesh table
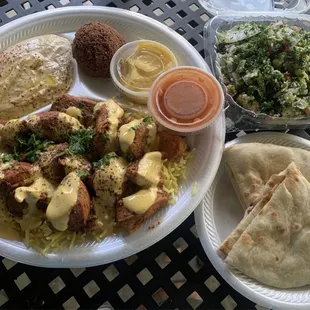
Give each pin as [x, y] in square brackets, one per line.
[175, 273]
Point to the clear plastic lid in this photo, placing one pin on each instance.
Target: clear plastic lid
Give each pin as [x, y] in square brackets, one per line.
[215, 7]
[238, 117]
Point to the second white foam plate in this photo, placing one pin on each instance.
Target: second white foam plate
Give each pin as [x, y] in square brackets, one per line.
[220, 212]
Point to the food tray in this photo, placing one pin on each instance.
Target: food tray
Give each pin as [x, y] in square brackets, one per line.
[218, 215]
[241, 117]
[202, 167]
[296, 6]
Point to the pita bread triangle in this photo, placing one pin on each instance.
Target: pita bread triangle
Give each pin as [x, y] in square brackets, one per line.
[250, 166]
[269, 188]
[275, 247]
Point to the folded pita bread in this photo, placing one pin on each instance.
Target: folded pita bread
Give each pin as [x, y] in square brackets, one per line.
[250, 165]
[269, 189]
[275, 247]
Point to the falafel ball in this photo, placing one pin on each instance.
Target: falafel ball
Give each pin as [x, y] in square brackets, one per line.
[94, 46]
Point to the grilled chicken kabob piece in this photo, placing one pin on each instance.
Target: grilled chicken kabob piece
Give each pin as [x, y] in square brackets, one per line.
[110, 183]
[142, 136]
[70, 205]
[108, 118]
[56, 162]
[28, 203]
[132, 211]
[172, 146]
[27, 192]
[52, 125]
[14, 174]
[138, 137]
[78, 107]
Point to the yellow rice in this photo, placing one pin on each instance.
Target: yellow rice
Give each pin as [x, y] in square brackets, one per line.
[174, 171]
[45, 241]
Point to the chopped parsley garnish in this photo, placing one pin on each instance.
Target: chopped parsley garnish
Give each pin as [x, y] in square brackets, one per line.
[81, 103]
[105, 160]
[82, 174]
[6, 158]
[80, 142]
[30, 146]
[105, 138]
[147, 120]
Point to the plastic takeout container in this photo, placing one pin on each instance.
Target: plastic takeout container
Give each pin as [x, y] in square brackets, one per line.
[241, 117]
[186, 100]
[123, 53]
[215, 7]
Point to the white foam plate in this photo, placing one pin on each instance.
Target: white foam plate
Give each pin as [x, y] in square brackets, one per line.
[220, 212]
[202, 168]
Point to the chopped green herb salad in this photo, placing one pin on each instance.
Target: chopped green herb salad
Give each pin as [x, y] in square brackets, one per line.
[266, 68]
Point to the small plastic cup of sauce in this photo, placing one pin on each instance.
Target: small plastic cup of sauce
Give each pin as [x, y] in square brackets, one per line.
[186, 100]
[136, 65]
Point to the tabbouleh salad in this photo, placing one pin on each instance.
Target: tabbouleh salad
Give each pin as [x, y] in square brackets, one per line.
[266, 68]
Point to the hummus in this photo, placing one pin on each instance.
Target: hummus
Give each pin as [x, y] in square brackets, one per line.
[33, 74]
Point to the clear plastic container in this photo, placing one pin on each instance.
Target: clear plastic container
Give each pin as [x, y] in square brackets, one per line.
[241, 117]
[127, 50]
[215, 7]
[186, 100]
